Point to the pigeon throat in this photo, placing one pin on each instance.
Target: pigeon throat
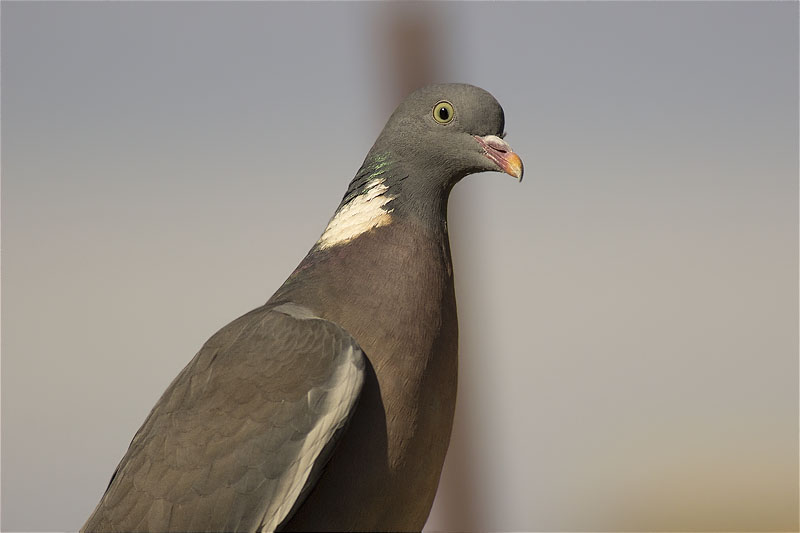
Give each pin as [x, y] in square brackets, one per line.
[358, 214]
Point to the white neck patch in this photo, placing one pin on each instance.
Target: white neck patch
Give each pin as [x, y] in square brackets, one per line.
[359, 215]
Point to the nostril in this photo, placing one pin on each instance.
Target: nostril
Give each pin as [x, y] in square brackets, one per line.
[494, 143]
[498, 144]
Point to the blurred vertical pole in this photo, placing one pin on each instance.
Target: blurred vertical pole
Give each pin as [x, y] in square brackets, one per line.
[412, 49]
[412, 39]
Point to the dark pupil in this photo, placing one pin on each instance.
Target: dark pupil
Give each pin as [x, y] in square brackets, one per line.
[443, 113]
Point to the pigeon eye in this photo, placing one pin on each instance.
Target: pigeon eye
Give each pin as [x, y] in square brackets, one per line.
[443, 112]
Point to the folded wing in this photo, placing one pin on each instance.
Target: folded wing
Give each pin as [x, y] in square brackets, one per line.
[241, 434]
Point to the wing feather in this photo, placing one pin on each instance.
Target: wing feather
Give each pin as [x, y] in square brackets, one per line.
[240, 435]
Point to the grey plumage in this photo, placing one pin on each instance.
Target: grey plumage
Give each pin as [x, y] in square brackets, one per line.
[330, 407]
[266, 382]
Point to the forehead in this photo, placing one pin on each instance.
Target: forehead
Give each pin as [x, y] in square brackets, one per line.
[457, 94]
[473, 106]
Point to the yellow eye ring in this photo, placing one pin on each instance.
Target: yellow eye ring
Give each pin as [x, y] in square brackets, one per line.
[443, 112]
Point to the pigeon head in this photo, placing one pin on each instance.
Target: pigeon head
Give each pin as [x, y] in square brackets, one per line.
[441, 133]
[436, 136]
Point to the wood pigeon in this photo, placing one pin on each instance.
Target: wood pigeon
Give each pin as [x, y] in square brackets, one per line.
[330, 406]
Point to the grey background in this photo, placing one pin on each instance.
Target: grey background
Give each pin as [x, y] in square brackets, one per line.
[629, 319]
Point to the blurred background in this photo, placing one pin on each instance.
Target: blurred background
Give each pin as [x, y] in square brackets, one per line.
[629, 313]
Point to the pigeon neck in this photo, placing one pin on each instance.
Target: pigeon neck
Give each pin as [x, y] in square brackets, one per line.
[378, 168]
[385, 253]
[384, 192]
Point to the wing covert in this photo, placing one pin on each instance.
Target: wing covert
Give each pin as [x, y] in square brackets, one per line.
[237, 438]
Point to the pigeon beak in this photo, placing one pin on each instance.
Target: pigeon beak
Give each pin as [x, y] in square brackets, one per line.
[499, 152]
